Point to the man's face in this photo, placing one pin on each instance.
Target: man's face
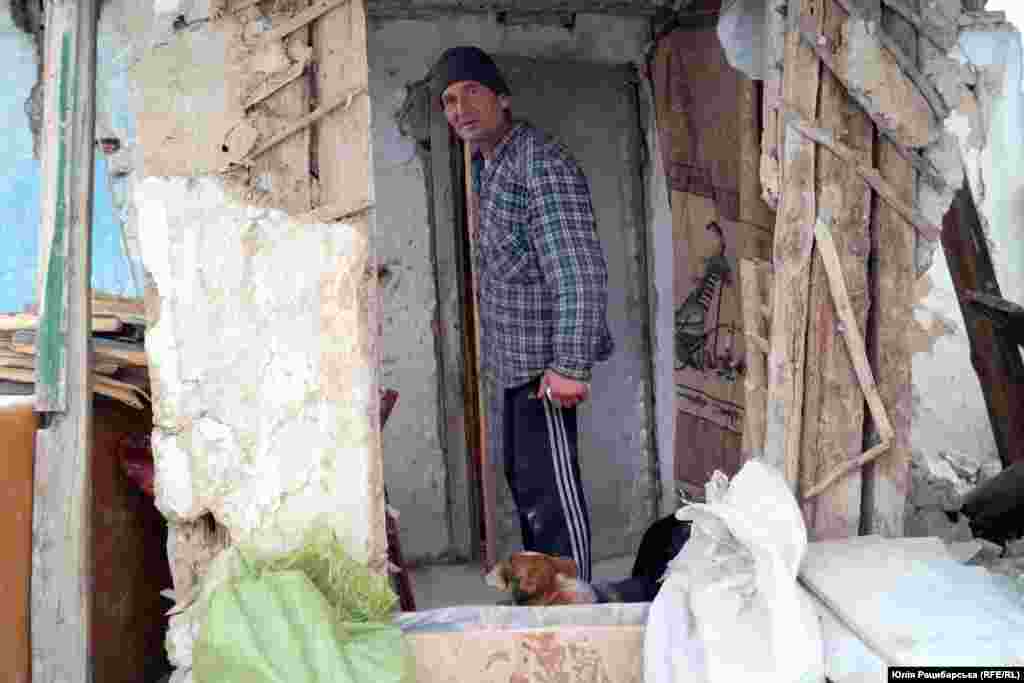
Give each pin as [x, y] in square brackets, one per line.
[475, 112]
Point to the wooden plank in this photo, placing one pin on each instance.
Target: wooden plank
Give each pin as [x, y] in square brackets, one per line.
[459, 443]
[284, 155]
[887, 481]
[833, 428]
[21, 360]
[104, 386]
[752, 283]
[105, 349]
[128, 310]
[849, 327]
[791, 256]
[753, 209]
[28, 321]
[996, 359]
[62, 571]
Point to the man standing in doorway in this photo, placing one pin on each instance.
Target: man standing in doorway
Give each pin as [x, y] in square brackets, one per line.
[543, 298]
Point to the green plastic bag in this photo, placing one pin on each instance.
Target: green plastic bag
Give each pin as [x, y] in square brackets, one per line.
[279, 628]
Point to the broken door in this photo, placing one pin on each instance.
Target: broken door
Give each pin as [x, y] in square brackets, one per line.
[709, 135]
[592, 110]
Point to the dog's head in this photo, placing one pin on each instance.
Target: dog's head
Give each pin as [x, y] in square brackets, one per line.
[538, 579]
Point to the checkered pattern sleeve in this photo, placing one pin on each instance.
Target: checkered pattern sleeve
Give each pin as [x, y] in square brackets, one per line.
[563, 232]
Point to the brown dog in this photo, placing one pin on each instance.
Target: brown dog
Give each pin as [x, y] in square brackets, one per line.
[539, 580]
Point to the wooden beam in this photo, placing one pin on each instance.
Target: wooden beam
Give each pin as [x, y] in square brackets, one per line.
[791, 255]
[62, 511]
[459, 438]
[996, 358]
[893, 257]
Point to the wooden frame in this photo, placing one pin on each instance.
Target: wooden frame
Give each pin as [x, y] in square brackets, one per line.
[61, 521]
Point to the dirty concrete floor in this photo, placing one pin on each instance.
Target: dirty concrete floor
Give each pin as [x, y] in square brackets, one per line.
[463, 584]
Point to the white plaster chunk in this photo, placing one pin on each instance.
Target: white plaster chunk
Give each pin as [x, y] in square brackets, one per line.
[937, 481]
[244, 427]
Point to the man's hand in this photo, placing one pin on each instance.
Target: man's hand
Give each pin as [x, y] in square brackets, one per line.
[567, 392]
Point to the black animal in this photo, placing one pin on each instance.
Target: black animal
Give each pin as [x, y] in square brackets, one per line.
[660, 544]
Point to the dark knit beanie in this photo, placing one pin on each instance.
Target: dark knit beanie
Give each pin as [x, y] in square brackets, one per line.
[467, 63]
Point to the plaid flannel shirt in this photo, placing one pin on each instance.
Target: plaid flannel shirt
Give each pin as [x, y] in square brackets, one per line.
[543, 276]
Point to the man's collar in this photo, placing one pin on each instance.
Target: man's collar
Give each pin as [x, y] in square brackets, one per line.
[505, 140]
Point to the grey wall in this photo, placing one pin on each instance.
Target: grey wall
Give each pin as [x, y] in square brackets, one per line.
[401, 52]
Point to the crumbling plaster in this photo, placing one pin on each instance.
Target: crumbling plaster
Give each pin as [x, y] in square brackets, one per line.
[401, 53]
[951, 422]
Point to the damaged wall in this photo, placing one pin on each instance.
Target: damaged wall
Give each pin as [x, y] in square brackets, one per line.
[401, 53]
[954, 447]
[261, 358]
[20, 173]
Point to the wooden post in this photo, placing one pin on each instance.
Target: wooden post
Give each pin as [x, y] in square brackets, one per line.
[62, 530]
[833, 403]
[460, 439]
[791, 256]
[887, 481]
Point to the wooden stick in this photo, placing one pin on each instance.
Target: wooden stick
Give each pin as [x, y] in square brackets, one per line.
[871, 176]
[847, 467]
[336, 213]
[301, 19]
[272, 86]
[306, 121]
[755, 381]
[849, 330]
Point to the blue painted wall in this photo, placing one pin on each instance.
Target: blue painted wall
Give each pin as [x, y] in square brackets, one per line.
[20, 183]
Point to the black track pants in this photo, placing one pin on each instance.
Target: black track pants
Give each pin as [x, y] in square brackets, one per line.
[543, 472]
